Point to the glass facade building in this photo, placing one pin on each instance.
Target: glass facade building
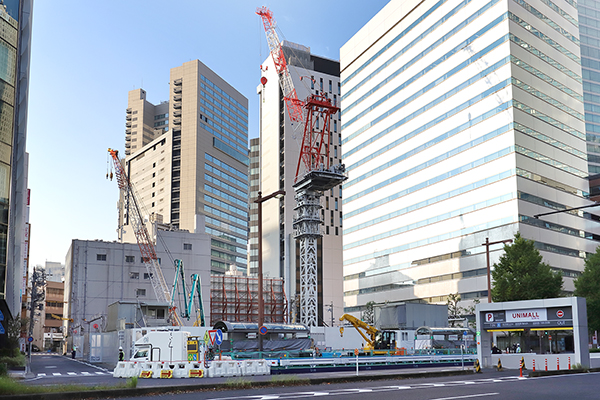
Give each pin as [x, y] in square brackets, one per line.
[188, 157]
[461, 120]
[15, 48]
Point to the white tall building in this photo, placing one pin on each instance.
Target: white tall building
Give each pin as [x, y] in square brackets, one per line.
[461, 121]
[279, 153]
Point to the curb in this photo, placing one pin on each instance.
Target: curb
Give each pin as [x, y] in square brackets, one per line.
[299, 381]
[536, 374]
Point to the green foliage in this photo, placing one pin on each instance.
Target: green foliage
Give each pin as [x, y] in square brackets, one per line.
[454, 310]
[587, 285]
[9, 386]
[520, 274]
[132, 382]
[16, 360]
[368, 315]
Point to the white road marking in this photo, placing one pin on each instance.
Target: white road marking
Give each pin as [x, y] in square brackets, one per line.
[51, 366]
[85, 373]
[41, 374]
[467, 396]
[71, 373]
[56, 374]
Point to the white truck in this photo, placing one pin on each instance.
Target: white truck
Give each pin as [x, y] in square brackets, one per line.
[169, 346]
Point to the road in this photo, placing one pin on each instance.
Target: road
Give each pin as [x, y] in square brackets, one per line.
[577, 386]
[54, 369]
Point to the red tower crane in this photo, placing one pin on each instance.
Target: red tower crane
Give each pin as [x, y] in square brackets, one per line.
[318, 175]
[314, 148]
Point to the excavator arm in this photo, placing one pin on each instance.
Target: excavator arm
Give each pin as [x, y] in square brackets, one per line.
[359, 326]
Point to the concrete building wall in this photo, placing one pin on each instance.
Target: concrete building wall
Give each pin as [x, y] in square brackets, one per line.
[100, 273]
[460, 122]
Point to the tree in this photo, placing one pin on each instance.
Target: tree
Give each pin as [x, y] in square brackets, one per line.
[368, 315]
[586, 285]
[520, 274]
[454, 310]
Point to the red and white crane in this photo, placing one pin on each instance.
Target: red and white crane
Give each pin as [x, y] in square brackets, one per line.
[144, 240]
[317, 175]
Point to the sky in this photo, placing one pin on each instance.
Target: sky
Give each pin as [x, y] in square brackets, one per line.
[87, 55]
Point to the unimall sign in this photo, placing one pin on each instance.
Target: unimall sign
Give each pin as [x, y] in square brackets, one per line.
[531, 315]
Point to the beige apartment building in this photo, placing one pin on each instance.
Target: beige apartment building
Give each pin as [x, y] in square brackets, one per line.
[279, 153]
[188, 156]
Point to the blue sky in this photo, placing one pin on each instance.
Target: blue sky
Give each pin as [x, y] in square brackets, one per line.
[86, 56]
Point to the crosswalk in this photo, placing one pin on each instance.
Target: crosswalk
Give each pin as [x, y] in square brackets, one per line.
[67, 374]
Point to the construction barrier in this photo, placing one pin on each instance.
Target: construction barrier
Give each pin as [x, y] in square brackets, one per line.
[255, 367]
[224, 368]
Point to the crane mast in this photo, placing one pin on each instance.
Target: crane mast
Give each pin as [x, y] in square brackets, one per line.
[318, 175]
[144, 241]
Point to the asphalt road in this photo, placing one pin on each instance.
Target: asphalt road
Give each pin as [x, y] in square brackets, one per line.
[54, 369]
[577, 386]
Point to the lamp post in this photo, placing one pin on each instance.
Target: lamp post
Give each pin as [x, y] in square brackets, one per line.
[261, 302]
[487, 245]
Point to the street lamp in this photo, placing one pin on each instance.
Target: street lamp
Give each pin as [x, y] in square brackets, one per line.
[261, 306]
[487, 245]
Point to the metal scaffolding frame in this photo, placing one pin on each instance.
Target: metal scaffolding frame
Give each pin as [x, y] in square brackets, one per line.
[235, 299]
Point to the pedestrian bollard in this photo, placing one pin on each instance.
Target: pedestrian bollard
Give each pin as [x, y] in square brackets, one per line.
[557, 363]
[477, 366]
[499, 365]
[546, 362]
[569, 362]
[523, 363]
[534, 365]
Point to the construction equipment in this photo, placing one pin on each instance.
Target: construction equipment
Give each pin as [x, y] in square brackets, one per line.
[317, 175]
[61, 318]
[376, 339]
[188, 302]
[144, 241]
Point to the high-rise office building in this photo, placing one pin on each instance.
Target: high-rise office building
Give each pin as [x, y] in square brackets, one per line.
[15, 49]
[188, 156]
[254, 183]
[461, 121]
[589, 35]
[279, 154]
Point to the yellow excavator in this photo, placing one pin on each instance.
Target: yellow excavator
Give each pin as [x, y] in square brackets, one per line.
[376, 339]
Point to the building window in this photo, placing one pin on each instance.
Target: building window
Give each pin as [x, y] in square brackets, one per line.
[134, 275]
[336, 231]
[335, 125]
[336, 204]
[160, 313]
[321, 84]
[339, 89]
[187, 246]
[100, 257]
[140, 292]
[312, 82]
[330, 86]
[147, 275]
[129, 259]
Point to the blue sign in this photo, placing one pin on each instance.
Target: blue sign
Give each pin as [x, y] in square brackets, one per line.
[219, 337]
[1, 316]
[2, 331]
[30, 339]
[263, 330]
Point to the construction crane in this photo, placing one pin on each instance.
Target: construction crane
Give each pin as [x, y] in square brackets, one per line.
[144, 241]
[376, 339]
[315, 177]
[188, 303]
